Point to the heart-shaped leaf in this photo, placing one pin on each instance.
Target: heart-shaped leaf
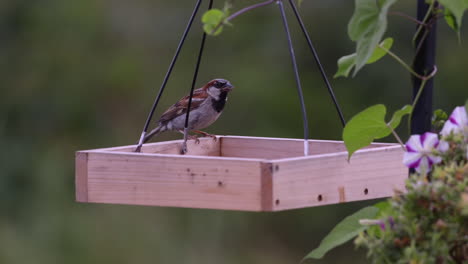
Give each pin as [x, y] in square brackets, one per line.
[395, 121]
[454, 10]
[213, 21]
[367, 27]
[451, 20]
[363, 127]
[370, 124]
[398, 115]
[346, 230]
[346, 63]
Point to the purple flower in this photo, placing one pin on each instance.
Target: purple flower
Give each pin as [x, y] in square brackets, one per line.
[382, 225]
[420, 152]
[391, 221]
[457, 122]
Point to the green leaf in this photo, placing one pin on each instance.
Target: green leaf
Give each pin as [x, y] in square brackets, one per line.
[363, 127]
[451, 20]
[438, 119]
[346, 63]
[398, 115]
[381, 50]
[383, 207]
[210, 29]
[370, 124]
[213, 21]
[213, 16]
[367, 27]
[456, 9]
[346, 230]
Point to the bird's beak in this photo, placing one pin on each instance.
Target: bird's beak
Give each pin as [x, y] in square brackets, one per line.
[228, 87]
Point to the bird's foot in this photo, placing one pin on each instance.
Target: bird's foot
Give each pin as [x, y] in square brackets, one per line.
[193, 137]
[206, 134]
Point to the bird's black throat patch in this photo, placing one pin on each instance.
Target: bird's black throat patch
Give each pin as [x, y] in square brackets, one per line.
[218, 105]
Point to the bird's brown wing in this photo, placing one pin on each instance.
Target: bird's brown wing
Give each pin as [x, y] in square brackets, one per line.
[180, 108]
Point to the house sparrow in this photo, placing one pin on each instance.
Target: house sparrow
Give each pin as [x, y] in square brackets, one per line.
[207, 105]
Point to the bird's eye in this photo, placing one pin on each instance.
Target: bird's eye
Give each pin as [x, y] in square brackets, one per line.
[220, 84]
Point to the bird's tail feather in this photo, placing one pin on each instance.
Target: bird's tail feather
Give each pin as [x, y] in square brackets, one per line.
[153, 133]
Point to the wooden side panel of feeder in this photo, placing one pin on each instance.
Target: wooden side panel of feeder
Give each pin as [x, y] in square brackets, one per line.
[280, 148]
[170, 180]
[329, 179]
[238, 173]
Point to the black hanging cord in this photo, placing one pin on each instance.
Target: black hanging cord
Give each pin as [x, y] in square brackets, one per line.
[168, 74]
[194, 81]
[317, 60]
[296, 75]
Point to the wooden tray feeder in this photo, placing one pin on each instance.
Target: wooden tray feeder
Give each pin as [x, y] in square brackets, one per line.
[239, 173]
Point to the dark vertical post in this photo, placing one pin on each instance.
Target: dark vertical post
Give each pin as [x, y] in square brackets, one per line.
[423, 64]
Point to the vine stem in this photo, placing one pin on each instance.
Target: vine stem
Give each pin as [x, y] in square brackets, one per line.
[418, 95]
[410, 18]
[407, 67]
[397, 137]
[423, 79]
[424, 22]
[245, 9]
[416, 99]
[240, 12]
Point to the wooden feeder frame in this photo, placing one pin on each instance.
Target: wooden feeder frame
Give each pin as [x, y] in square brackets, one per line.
[238, 173]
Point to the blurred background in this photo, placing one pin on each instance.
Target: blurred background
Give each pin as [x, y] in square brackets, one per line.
[83, 74]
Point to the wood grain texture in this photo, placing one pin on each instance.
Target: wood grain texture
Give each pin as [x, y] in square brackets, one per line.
[174, 180]
[206, 147]
[329, 178]
[267, 186]
[81, 177]
[278, 148]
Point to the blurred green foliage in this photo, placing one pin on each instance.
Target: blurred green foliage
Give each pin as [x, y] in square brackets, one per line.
[82, 74]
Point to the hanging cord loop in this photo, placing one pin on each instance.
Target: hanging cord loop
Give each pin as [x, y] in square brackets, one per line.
[317, 60]
[194, 81]
[168, 74]
[296, 75]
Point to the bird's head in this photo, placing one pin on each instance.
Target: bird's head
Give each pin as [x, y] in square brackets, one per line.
[215, 87]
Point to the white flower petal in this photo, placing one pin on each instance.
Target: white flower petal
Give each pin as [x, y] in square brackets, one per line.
[450, 127]
[414, 144]
[463, 115]
[457, 121]
[429, 141]
[434, 159]
[411, 159]
[423, 166]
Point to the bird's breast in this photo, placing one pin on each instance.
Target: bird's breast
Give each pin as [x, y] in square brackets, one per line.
[200, 118]
[218, 105]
